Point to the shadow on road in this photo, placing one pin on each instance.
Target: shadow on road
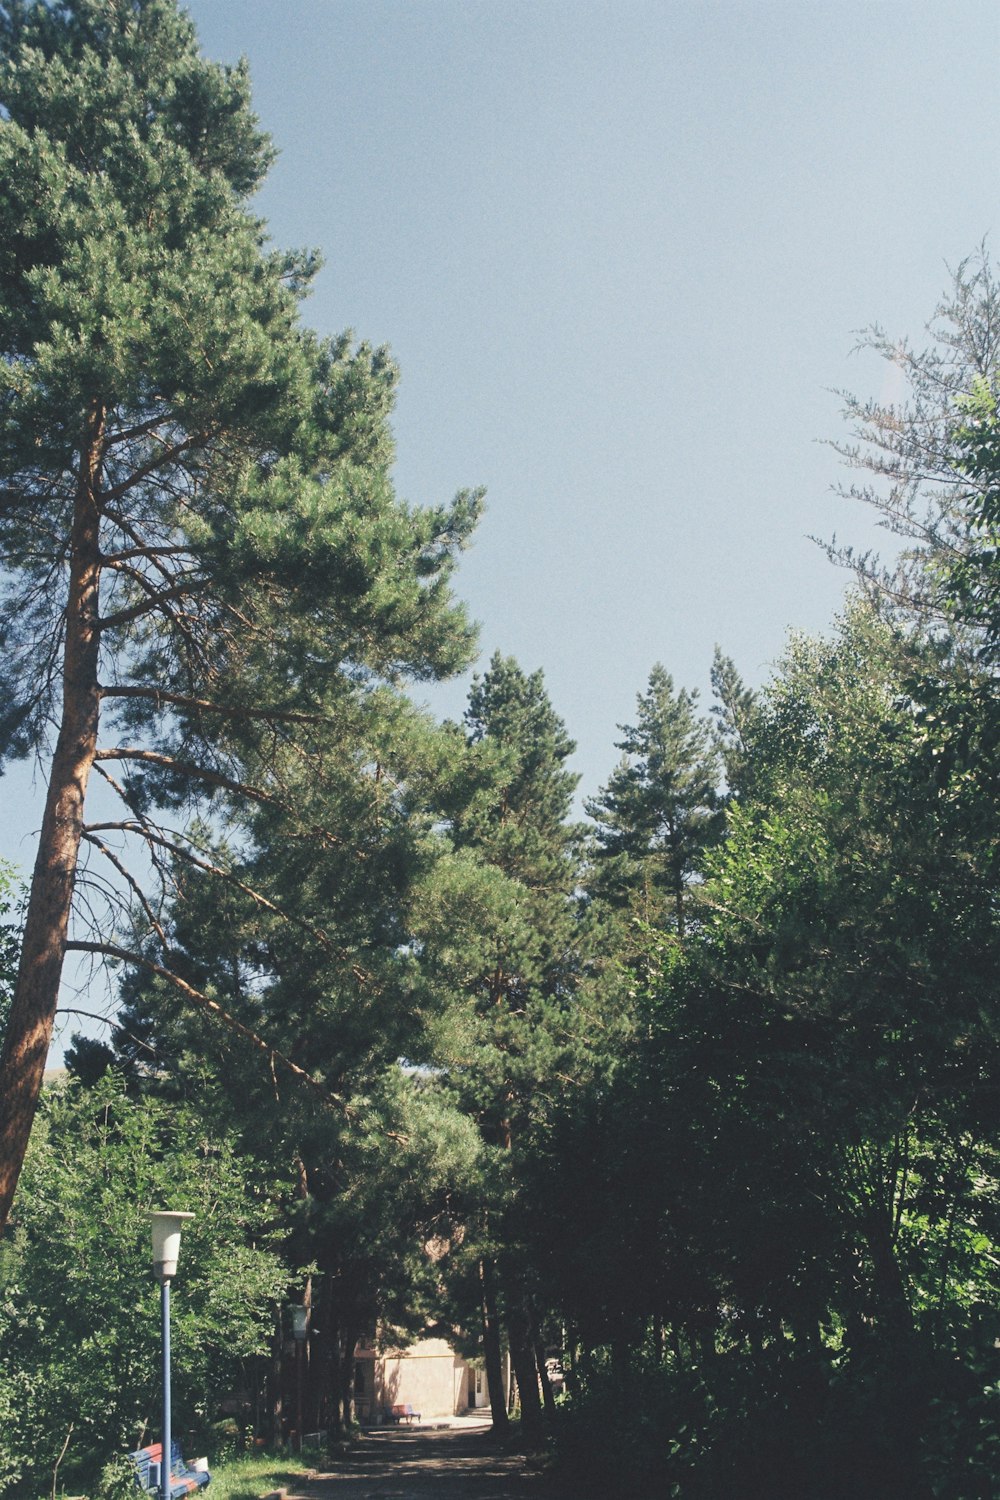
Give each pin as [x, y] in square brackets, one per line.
[407, 1464]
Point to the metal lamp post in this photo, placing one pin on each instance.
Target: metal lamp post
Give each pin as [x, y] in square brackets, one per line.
[300, 1327]
[166, 1248]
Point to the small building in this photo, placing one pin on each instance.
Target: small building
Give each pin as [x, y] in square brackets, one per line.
[427, 1375]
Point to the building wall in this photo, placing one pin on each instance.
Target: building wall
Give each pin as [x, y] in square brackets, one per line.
[429, 1376]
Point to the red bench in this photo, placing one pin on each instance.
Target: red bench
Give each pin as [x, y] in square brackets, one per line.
[183, 1479]
[405, 1414]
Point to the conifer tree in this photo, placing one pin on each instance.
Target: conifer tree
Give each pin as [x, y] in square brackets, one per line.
[733, 711]
[310, 944]
[203, 550]
[515, 957]
[515, 820]
[913, 455]
[660, 809]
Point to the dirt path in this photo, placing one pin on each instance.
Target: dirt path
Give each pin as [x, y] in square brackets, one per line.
[401, 1464]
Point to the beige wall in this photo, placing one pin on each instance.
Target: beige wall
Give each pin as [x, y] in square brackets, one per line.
[429, 1376]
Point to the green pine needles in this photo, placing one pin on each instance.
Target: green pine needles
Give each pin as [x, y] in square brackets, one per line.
[204, 556]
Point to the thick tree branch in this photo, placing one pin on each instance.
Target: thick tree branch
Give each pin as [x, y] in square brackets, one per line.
[129, 554]
[181, 700]
[168, 456]
[156, 601]
[142, 429]
[196, 773]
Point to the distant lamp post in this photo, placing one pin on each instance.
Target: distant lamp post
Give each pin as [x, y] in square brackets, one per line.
[166, 1249]
[300, 1328]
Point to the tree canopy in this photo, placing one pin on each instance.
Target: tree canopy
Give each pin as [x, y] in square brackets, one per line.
[204, 554]
[695, 1104]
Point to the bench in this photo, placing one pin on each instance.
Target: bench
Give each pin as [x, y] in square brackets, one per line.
[184, 1480]
[405, 1414]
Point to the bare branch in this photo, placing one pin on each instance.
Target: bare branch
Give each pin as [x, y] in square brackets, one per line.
[129, 554]
[129, 434]
[168, 456]
[131, 881]
[197, 773]
[215, 778]
[180, 700]
[214, 1009]
[159, 839]
[89, 1015]
[126, 527]
[156, 601]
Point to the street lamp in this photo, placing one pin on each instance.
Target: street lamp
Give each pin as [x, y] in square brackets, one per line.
[300, 1328]
[166, 1248]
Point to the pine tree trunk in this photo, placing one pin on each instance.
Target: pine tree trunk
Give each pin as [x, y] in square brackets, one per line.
[903, 1407]
[622, 1368]
[571, 1341]
[324, 1407]
[892, 1302]
[658, 1339]
[347, 1349]
[548, 1395]
[491, 1349]
[276, 1375]
[522, 1357]
[36, 995]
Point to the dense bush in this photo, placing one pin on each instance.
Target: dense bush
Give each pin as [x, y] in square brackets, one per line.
[826, 1427]
[79, 1308]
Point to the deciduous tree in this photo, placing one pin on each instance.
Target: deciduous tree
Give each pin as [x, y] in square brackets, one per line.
[78, 1303]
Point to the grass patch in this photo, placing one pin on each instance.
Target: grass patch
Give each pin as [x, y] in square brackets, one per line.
[253, 1475]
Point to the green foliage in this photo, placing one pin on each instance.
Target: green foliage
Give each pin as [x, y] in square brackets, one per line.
[783, 1424]
[10, 944]
[252, 455]
[211, 477]
[930, 466]
[660, 810]
[505, 937]
[753, 1173]
[789, 1169]
[733, 711]
[251, 1476]
[116, 1480]
[79, 1309]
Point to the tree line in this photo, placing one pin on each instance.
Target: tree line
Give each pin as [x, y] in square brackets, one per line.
[697, 1096]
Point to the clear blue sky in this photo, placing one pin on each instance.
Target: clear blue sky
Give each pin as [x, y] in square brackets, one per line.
[621, 252]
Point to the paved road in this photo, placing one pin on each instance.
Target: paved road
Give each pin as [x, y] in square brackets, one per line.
[408, 1464]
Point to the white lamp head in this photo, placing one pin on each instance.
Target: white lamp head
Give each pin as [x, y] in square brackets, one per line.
[166, 1242]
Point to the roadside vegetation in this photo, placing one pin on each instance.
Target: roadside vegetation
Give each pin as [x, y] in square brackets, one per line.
[253, 1475]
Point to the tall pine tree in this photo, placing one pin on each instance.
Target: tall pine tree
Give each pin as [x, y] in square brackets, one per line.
[514, 957]
[660, 809]
[203, 550]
